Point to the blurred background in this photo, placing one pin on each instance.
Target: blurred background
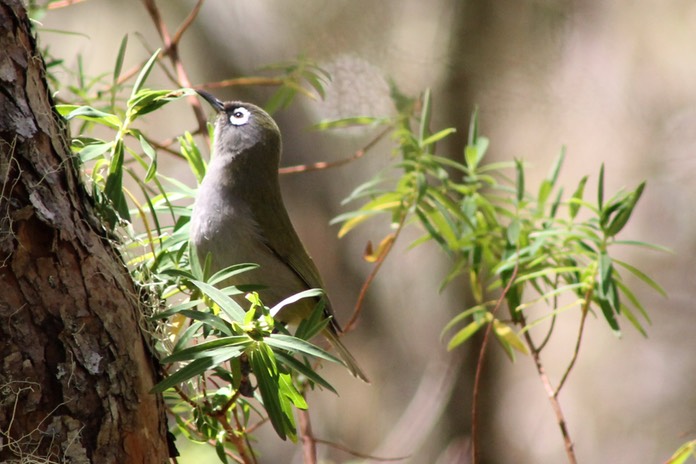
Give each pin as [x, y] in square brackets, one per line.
[615, 82]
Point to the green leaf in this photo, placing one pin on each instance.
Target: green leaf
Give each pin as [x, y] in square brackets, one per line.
[684, 452]
[628, 314]
[219, 348]
[519, 169]
[89, 114]
[263, 365]
[513, 232]
[304, 370]
[576, 199]
[147, 101]
[624, 212]
[227, 304]
[94, 150]
[113, 189]
[192, 369]
[438, 136]
[349, 122]
[608, 312]
[152, 154]
[468, 331]
[642, 276]
[117, 69]
[507, 336]
[288, 389]
[605, 273]
[144, 73]
[556, 168]
[424, 129]
[220, 451]
[600, 188]
[189, 150]
[297, 345]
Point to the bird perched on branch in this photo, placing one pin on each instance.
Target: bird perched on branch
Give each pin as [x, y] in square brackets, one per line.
[239, 217]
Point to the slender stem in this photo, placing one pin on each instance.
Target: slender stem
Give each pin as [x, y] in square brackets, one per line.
[332, 164]
[371, 277]
[309, 443]
[479, 369]
[585, 309]
[552, 395]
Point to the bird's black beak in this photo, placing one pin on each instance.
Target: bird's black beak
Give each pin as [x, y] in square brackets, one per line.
[214, 102]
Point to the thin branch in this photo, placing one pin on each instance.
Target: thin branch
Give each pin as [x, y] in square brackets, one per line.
[363, 291]
[243, 81]
[555, 405]
[188, 21]
[172, 48]
[479, 369]
[238, 439]
[332, 164]
[357, 454]
[309, 443]
[585, 310]
[553, 318]
[62, 4]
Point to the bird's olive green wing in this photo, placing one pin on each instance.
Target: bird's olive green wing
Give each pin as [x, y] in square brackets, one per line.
[281, 238]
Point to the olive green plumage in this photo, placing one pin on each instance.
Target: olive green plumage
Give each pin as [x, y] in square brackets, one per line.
[239, 217]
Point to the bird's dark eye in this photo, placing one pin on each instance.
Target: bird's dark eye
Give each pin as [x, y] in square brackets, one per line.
[239, 116]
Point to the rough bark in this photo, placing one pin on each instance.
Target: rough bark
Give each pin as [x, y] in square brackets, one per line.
[75, 373]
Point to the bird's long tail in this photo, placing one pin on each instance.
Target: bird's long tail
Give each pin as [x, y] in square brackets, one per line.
[345, 355]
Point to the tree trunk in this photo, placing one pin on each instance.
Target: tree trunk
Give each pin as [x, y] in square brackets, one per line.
[75, 372]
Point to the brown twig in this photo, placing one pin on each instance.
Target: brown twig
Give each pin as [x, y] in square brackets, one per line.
[585, 310]
[357, 454]
[555, 405]
[172, 50]
[309, 443]
[188, 21]
[238, 439]
[368, 282]
[62, 4]
[332, 164]
[243, 81]
[479, 370]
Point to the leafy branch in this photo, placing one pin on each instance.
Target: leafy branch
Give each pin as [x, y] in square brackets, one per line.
[534, 248]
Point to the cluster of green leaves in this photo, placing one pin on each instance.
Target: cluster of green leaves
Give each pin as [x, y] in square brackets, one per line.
[225, 343]
[501, 236]
[226, 364]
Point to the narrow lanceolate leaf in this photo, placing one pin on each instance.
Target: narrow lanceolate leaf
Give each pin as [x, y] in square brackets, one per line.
[140, 80]
[519, 168]
[263, 365]
[187, 372]
[424, 129]
[117, 69]
[89, 114]
[468, 331]
[600, 188]
[297, 345]
[509, 337]
[152, 154]
[576, 199]
[624, 212]
[642, 276]
[227, 304]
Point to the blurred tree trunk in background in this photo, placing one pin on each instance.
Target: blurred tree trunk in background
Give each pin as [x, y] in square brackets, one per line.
[488, 41]
[75, 373]
[471, 27]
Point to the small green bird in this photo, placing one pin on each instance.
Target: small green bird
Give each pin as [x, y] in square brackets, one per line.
[239, 217]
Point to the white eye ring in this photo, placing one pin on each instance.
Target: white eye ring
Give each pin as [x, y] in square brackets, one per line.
[239, 116]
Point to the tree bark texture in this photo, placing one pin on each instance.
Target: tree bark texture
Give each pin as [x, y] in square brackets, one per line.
[75, 372]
